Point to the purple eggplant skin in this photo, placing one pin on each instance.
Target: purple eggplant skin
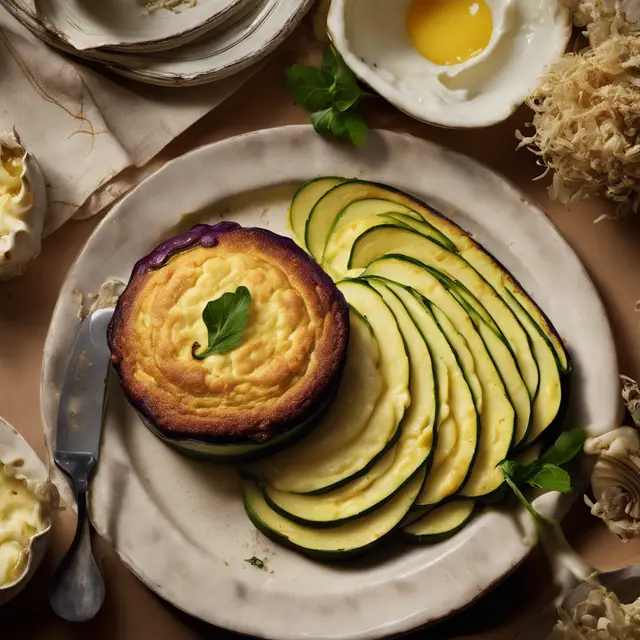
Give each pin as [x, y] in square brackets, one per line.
[242, 452]
[247, 448]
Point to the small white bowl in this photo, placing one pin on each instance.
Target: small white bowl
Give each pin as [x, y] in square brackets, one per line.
[26, 212]
[23, 463]
[526, 38]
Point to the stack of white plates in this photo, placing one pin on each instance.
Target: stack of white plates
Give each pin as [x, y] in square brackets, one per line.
[163, 42]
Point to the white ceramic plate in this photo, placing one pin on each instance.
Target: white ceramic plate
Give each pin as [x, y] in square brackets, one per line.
[127, 25]
[229, 49]
[179, 524]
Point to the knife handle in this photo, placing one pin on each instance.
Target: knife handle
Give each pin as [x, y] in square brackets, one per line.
[78, 589]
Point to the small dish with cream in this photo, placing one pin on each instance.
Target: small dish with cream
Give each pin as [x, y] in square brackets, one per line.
[27, 503]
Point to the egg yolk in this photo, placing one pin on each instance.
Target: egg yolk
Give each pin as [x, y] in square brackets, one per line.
[449, 32]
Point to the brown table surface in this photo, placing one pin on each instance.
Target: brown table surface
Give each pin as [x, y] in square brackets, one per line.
[610, 250]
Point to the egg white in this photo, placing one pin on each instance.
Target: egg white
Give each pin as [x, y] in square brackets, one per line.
[527, 35]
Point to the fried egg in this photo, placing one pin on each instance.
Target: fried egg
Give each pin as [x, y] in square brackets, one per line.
[457, 63]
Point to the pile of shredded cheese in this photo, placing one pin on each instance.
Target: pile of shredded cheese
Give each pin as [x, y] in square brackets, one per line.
[600, 617]
[604, 18]
[587, 109]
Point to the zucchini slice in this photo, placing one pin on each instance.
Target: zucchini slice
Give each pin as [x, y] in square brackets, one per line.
[347, 540]
[361, 386]
[461, 350]
[322, 218]
[503, 358]
[409, 454]
[350, 223]
[393, 240]
[549, 400]
[354, 435]
[304, 200]
[421, 226]
[385, 240]
[327, 208]
[440, 523]
[536, 361]
[458, 423]
[497, 417]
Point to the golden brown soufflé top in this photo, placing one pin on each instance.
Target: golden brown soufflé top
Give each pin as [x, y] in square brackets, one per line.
[293, 347]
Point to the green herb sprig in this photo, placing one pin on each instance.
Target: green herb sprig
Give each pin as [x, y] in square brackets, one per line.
[256, 562]
[567, 567]
[225, 319]
[546, 472]
[332, 94]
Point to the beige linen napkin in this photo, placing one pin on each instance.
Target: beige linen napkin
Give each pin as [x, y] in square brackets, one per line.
[85, 127]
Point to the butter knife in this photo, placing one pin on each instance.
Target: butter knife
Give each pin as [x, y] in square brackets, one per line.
[77, 592]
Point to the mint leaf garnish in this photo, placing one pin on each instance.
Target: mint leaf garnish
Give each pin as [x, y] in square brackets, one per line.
[311, 87]
[225, 319]
[332, 94]
[547, 472]
[566, 447]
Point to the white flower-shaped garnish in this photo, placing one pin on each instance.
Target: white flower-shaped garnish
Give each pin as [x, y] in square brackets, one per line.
[615, 479]
[23, 206]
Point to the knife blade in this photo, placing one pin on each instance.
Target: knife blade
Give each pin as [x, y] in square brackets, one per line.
[81, 406]
[77, 592]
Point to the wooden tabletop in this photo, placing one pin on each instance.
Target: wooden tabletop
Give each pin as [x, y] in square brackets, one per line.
[609, 249]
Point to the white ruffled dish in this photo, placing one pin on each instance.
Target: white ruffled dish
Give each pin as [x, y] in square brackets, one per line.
[179, 524]
[21, 461]
[23, 206]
